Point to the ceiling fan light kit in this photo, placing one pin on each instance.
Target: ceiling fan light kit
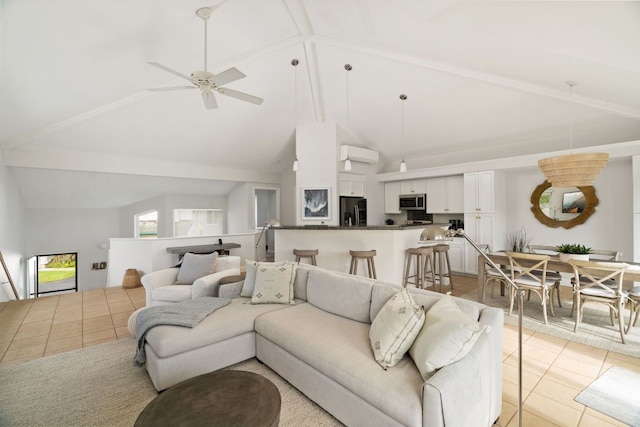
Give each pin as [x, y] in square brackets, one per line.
[208, 82]
[573, 170]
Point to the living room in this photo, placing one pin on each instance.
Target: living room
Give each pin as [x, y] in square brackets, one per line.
[84, 144]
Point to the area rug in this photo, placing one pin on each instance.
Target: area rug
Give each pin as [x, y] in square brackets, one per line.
[595, 329]
[98, 386]
[614, 393]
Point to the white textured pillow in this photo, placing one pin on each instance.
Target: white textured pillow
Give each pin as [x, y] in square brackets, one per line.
[274, 284]
[250, 277]
[195, 266]
[447, 336]
[395, 328]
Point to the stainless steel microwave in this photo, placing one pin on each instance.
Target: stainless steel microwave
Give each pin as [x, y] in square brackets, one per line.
[413, 202]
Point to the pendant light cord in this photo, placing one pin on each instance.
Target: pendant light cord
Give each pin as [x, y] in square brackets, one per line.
[403, 97]
[571, 85]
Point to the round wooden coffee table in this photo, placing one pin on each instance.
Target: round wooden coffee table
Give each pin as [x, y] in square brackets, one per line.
[222, 398]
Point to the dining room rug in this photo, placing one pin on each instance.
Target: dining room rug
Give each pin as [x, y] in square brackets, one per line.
[595, 329]
[614, 394]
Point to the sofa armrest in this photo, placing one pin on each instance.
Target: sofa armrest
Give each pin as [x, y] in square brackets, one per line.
[230, 290]
[473, 383]
[207, 286]
[151, 281]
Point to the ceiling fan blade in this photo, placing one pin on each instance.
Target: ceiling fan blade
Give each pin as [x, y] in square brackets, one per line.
[164, 89]
[169, 70]
[228, 76]
[209, 100]
[240, 95]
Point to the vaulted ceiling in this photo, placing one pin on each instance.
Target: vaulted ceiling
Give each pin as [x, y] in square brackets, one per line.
[484, 79]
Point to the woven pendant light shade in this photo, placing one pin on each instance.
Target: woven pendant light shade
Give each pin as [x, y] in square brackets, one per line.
[573, 170]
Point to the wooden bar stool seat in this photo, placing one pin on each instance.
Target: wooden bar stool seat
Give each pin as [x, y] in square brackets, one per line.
[368, 257]
[306, 253]
[422, 255]
[442, 266]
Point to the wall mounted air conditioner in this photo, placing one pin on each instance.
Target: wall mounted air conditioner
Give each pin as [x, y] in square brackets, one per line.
[357, 154]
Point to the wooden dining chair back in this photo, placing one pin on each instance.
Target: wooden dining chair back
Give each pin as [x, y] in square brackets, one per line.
[604, 255]
[491, 275]
[529, 272]
[548, 250]
[600, 282]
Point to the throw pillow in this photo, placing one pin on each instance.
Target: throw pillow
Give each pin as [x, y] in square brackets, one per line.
[274, 284]
[250, 277]
[395, 328]
[195, 266]
[447, 336]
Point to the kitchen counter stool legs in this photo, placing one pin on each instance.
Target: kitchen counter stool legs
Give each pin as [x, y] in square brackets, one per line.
[442, 265]
[366, 255]
[422, 256]
[306, 253]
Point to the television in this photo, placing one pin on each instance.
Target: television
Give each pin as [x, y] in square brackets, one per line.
[573, 202]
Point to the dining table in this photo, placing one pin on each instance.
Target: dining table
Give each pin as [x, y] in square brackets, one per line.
[631, 274]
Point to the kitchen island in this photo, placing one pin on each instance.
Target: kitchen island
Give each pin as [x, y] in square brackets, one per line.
[334, 243]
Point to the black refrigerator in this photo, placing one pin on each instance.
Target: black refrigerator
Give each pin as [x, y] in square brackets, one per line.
[353, 211]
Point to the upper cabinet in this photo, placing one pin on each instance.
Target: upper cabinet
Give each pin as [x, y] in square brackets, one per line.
[479, 193]
[413, 186]
[445, 194]
[391, 197]
[351, 184]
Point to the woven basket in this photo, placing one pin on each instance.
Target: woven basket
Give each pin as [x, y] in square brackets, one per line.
[131, 279]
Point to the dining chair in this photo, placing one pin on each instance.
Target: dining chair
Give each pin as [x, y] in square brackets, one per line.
[492, 275]
[634, 306]
[597, 255]
[547, 250]
[600, 282]
[523, 274]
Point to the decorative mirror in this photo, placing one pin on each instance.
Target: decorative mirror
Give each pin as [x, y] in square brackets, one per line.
[563, 207]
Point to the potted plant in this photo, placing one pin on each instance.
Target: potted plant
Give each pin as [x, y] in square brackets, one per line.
[567, 251]
[518, 241]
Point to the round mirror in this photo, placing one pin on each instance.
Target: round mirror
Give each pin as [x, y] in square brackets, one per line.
[563, 206]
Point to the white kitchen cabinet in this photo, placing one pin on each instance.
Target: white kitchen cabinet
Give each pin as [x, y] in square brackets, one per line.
[351, 184]
[413, 186]
[480, 229]
[479, 191]
[445, 194]
[457, 254]
[391, 197]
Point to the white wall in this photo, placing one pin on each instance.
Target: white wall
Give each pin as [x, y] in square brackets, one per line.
[12, 228]
[287, 197]
[317, 153]
[610, 227]
[53, 231]
[238, 209]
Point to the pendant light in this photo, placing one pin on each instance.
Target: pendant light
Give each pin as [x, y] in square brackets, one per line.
[573, 170]
[403, 164]
[295, 63]
[347, 162]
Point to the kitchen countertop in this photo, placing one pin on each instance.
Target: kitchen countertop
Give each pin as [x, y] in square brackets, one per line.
[339, 227]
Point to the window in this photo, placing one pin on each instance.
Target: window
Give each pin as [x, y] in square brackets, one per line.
[198, 222]
[147, 225]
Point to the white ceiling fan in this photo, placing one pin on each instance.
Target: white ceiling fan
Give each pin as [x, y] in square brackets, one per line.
[207, 82]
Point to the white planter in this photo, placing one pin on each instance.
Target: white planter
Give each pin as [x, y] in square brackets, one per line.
[566, 257]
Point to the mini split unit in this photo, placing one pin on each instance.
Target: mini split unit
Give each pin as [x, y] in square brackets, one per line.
[357, 154]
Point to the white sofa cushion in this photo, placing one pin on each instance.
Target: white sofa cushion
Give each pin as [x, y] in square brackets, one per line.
[340, 349]
[395, 328]
[447, 336]
[173, 293]
[342, 294]
[194, 266]
[274, 284]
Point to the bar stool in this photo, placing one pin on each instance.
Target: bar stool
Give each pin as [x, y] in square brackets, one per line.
[422, 256]
[366, 255]
[306, 253]
[441, 260]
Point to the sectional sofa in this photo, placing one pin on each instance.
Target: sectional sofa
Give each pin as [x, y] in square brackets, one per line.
[321, 346]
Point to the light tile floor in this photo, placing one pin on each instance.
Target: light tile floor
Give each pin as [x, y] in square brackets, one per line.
[554, 369]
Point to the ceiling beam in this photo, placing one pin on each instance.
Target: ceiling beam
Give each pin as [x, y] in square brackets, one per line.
[302, 21]
[620, 110]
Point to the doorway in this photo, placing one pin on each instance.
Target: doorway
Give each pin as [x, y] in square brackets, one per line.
[266, 208]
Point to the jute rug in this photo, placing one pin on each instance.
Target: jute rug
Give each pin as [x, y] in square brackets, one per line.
[614, 393]
[98, 386]
[595, 329]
